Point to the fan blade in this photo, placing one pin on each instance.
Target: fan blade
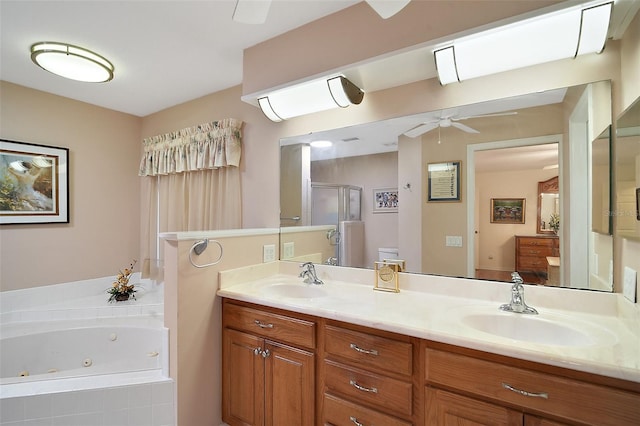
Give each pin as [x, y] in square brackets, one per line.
[387, 8]
[251, 11]
[464, 128]
[498, 114]
[420, 130]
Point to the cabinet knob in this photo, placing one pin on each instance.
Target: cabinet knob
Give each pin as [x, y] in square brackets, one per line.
[266, 353]
[257, 351]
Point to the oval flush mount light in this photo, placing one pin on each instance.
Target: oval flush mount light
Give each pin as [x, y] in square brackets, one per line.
[73, 62]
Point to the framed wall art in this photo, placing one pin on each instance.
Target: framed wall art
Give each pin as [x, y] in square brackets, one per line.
[507, 210]
[34, 183]
[443, 181]
[385, 200]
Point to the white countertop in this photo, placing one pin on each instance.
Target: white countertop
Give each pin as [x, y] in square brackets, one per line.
[435, 308]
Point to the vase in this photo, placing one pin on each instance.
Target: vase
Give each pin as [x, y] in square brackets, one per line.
[122, 297]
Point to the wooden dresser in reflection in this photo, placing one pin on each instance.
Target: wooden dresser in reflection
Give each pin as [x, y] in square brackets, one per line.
[532, 252]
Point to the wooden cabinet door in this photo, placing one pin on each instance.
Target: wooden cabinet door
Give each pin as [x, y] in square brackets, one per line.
[242, 379]
[289, 385]
[449, 409]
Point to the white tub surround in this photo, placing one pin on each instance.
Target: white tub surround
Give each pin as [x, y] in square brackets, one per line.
[440, 309]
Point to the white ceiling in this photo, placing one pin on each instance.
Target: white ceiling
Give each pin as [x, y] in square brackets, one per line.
[164, 52]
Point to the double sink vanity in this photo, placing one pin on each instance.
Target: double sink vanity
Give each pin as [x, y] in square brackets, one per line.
[438, 352]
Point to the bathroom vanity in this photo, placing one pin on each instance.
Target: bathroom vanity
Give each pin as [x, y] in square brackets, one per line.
[343, 354]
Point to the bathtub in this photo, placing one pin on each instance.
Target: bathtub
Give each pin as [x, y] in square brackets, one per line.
[81, 351]
[84, 361]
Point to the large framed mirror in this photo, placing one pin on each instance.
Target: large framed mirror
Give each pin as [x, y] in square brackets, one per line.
[628, 173]
[504, 148]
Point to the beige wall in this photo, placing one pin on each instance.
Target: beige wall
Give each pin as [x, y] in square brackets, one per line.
[496, 245]
[104, 231]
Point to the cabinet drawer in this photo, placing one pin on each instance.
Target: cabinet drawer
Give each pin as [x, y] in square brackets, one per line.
[532, 263]
[380, 391]
[282, 328]
[561, 397]
[338, 412]
[369, 351]
[536, 242]
[537, 252]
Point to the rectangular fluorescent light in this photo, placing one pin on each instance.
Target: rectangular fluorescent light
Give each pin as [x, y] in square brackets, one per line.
[559, 35]
[307, 98]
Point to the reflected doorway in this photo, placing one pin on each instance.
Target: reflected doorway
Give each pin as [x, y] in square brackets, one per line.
[506, 170]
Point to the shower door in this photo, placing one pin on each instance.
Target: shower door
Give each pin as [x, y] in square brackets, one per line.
[333, 204]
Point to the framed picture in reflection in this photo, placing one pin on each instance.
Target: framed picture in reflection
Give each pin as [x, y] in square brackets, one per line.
[507, 210]
[443, 181]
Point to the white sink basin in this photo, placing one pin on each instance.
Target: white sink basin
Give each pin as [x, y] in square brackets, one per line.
[295, 290]
[543, 329]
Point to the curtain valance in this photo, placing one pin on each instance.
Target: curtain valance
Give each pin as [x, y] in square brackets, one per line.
[206, 146]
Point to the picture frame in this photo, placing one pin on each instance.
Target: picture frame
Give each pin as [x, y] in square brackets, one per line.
[443, 181]
[385, 200]
[34, 183]
[508, 210]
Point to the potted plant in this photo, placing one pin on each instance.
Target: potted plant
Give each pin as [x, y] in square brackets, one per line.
[554, 222]
[121, 289]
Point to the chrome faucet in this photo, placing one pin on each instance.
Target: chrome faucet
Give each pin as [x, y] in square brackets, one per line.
[517, 303]
[309, 274]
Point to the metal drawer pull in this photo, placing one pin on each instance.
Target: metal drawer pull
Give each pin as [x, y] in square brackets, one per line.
[355, 421]
[363, 351]
[362, 388]
[525, 393]
[263, 325]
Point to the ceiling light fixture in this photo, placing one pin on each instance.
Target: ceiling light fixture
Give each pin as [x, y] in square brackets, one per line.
[72, 62]
[559, 35]
[307, 98]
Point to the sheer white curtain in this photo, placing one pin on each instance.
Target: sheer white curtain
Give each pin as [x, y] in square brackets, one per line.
[191, 182]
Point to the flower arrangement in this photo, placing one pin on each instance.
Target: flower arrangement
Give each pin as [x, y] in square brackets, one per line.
[121, 289]
[554, 222]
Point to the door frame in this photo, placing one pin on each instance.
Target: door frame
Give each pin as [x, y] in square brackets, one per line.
[471, 185]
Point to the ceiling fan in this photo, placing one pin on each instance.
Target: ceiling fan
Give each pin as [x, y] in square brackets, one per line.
[255, 11]
[449, 120]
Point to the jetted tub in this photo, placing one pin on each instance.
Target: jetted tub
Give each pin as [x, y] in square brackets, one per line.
[83, 351]
[69, 357]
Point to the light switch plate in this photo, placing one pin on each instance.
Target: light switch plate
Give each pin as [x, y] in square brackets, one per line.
[288, 250]
[453, 241]
[629, 284]
[269, 253]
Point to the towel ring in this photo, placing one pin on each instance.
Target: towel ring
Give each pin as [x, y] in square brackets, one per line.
[199, 247]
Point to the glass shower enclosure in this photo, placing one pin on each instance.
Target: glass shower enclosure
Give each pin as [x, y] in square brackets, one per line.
[339, 205]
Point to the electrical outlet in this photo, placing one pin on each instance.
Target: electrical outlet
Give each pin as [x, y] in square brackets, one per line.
[288, 250]
[269, 253]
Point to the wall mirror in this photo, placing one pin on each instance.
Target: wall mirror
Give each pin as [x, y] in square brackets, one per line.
[628, 173]
[503, 147]
[548, 206]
